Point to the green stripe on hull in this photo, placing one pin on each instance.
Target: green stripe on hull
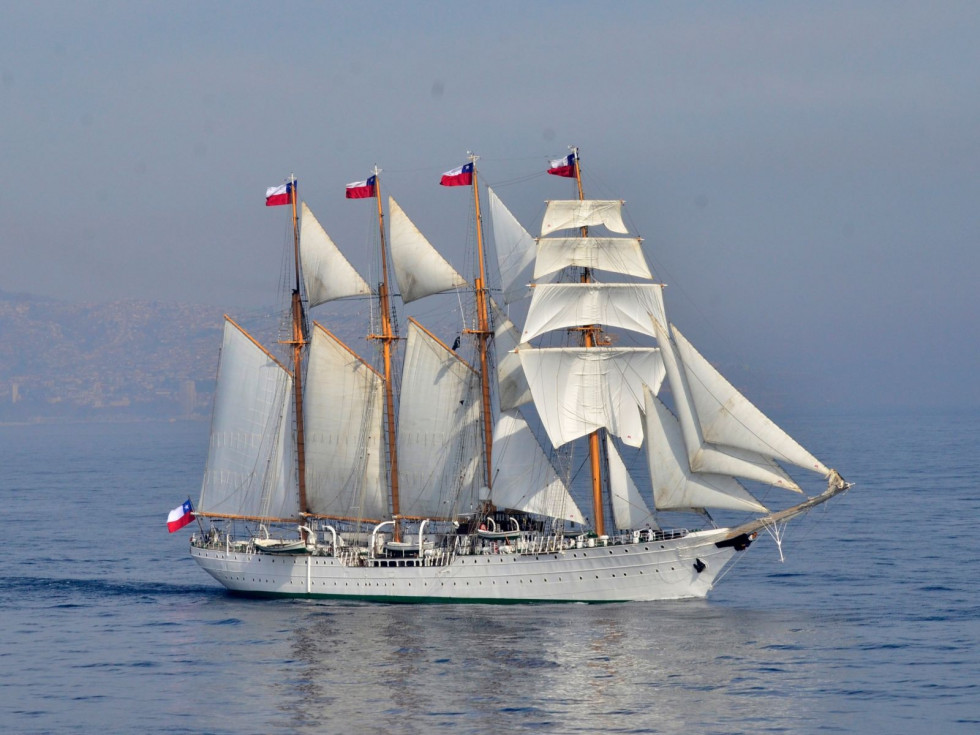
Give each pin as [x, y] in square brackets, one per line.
[413, 600]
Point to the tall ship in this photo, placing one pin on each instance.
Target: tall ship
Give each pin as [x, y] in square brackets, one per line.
[502, 468]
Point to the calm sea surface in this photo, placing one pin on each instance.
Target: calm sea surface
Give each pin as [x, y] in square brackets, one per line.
[871, 625]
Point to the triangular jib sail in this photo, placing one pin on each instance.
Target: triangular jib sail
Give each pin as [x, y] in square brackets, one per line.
[726, 417]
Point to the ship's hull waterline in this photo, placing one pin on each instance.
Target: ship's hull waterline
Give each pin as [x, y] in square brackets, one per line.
[668, 569]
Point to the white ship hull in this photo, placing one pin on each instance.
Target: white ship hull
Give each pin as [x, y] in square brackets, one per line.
[667, 569]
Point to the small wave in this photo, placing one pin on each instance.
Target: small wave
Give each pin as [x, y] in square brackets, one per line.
[100, 588]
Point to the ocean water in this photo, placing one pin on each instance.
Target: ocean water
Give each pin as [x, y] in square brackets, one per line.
[870, 625]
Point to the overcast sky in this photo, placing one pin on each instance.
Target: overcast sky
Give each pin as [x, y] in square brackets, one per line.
[805, 175]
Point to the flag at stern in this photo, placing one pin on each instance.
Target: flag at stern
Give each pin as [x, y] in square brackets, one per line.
[180, 516]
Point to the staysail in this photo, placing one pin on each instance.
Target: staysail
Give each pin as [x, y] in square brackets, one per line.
[702, 455]
[327, 274]
[419, 268]
[512, 387]
[675, 487]
[629, 508]
[515, 249]
[727, 417]
[523, 478]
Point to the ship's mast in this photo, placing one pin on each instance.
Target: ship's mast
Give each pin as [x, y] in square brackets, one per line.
[298, 342]
[482, 331]
[388, 339]
[590, 338]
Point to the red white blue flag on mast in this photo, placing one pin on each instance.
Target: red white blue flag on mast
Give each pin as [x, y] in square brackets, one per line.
[462, 176]
[180, 516]
[361, 189]
[563, 166]
[276, 195]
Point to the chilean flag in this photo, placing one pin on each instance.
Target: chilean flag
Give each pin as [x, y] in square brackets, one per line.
[361, 189]
[563, 166]
[276, 195]
[462, 176]
[180, 516]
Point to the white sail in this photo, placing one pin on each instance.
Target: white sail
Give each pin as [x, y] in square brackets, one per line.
[573, 213]
[419, 269]
[515, 249]
[614, 254]
[675, 487]
[344, 400]
[578, 390]
[439, 456]
[629, 508]
[523, 478]
[703, 456]
[327, 274]
[250, 468]
[623, 305]
[727, 417]
[512, 387]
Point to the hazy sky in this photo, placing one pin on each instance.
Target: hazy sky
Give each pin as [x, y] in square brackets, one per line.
[805, 175]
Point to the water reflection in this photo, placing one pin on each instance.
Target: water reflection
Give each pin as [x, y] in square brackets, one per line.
[636, 668]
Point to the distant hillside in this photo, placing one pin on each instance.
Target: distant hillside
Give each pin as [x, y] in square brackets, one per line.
[117, 360]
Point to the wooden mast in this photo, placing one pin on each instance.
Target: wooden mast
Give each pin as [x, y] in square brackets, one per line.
[387, 338]
[590, 336]
[298, 342]
[482, 331]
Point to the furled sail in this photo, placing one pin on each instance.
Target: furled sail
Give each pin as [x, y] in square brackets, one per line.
[523, 478]
[727, 417]
[624, 305]
[614, 254]
[419, 269]
[515, 249]
[439, 457]
[568, 214]
[250, 469]
[675, 487]
[629, 508]
[344, 401]
[703, 456]
[512, 387]
[327, 274]
[578, 390]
